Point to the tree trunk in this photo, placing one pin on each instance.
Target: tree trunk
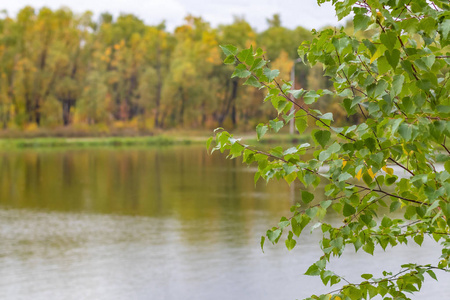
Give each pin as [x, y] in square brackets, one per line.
[231, 104]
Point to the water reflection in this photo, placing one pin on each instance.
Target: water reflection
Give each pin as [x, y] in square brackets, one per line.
[157, 223]
[156, 182]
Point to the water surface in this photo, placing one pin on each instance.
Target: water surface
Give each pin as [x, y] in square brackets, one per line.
[158, 223]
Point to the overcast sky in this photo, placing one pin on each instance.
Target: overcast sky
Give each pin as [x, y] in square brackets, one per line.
[293, 13]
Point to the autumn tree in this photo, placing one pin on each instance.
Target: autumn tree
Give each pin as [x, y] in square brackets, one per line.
[60, 68]
[192, 64]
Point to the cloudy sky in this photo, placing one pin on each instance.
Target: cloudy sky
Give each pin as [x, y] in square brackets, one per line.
[293, 13]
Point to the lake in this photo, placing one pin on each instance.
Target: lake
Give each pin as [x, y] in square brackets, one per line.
[160, 223]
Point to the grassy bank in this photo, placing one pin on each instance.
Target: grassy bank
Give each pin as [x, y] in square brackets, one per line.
[12, 143]
[182, 138]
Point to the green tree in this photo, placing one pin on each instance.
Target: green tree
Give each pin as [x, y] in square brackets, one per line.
[398, 82]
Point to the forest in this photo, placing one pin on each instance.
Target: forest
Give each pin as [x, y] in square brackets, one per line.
[60, 69]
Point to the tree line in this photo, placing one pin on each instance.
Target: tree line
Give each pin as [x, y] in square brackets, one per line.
[58, 68]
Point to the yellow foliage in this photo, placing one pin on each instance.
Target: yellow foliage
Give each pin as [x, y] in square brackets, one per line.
[132, 124]
[369, 171]
[390, 171]
[29, 127]
[359, 175]
[284, 64]
[377, 54]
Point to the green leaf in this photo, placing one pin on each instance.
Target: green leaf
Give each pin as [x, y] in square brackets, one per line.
[280, 104]
[301, 124]
[258, 64]
[360, 22]
[375, 90]
[447, 166]
[344, 176]
[322, 137]
[369, 247]
[386, 222]
[432, 274]
[313, 270]
[246, 56]
[310, 97]
[261, 130]
[263, 239]
[273, 235]
[383, 65]
[253, 82]
[297, 93]
[428, 25]
[418, 239]
[208, 142]
[312, 211]
[389, 39]
[327, 116]
[283, 223]
[394, 206]
[229, 60]
[337, 243]
[236, 150]
[444, 28]
[325, 204]
[371, 144]
[428, 61]
[229, 50]
[291, 150]
[397, 85]
[307, 197]
[296, 228]
[271, 74]
[290, 243]
[276, 125]
[324, 155]
[393, 57]
[405, 131]
[348, 210]
[341, 43]
[443, 109]
[241, 72]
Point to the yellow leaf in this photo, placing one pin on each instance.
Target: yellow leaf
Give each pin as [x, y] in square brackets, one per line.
[371, 173]
[378, 53]
[359, 175]
[390, 171]
[337, 298]
[344, 162]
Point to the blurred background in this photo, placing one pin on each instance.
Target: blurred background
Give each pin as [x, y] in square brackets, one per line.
[144, 67]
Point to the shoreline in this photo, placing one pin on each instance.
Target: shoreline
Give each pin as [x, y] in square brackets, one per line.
[130, 141]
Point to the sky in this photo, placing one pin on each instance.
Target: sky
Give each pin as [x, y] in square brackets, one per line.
[305, 13]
